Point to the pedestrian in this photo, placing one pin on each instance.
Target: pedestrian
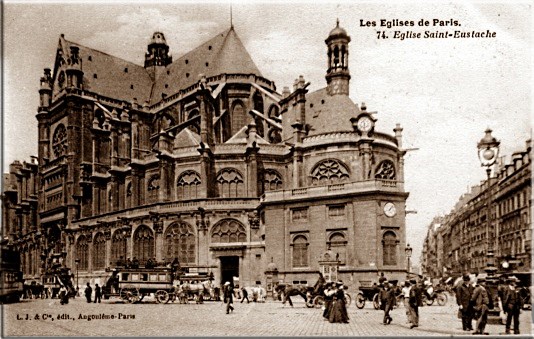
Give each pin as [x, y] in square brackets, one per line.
[382, 279]
[328, 298]
[128, 263]
[245, 295]
[387, 301]
[464, 293]
[63, 295]
[512, 305]
[338, 312]
[135, 263]
[88, 292]
[228, 297]
[481, 302]
[414, 301]
[406, 294]
[98, 293]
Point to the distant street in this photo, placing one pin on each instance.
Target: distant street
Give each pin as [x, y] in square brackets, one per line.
[209, 319]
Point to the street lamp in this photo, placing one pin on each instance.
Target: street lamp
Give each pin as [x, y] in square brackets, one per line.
[488, 152]
[77, 261]
[408, 251]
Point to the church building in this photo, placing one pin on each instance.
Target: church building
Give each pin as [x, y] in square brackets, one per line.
[201, 158]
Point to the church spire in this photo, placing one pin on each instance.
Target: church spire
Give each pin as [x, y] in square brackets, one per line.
[337, 74]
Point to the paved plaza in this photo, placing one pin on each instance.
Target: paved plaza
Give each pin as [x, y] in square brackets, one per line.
[209, 319]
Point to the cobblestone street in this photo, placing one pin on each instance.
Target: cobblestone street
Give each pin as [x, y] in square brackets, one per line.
[209, 319]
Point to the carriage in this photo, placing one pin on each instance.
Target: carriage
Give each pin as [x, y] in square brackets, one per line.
[368, 292]
[133, 284]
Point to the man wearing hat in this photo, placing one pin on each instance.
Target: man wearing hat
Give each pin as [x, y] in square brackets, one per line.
[414, 301]
[481, 302]
[511, 305]
[228, 296]
[463, 298]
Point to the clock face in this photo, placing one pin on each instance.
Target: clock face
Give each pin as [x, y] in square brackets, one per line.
[365, 124]
[389, 209]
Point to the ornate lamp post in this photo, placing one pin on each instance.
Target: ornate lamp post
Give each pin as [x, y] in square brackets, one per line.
[488, 152]
[408, 251]
[77, 261]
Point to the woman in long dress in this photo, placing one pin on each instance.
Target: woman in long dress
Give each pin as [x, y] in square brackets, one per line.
[338, 313]
[328, 299]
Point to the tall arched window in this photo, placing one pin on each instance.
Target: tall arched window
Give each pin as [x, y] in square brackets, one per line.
[238, 116]
[272, 180]
[82, 250]
[99, 252]
[59, 141]
[188, 185]
[180, 243]
[329, 172]
[143, 244]
[389, 248]
[385, 170]
[118, 246]
[258, 106]
[153, 189]
[338, 244]
[300, 251]
[230, 183]
[228, 230]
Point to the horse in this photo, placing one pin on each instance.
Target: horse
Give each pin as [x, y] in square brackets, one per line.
[258, 293]
[289, 291]
[197, 289]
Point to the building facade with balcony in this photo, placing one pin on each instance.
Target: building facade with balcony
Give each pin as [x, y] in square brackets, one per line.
[466, 233]
[200, 158]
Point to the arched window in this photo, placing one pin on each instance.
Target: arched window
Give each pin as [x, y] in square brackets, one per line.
[128, 201]
[180, 243]
[143, 244]
[99, 252]
[82, 250]
[336, 56]
[195, 127]
[272, 180]
[329, 172]
[118, 246]
[385, 170]
[338, 244]
[188, 185]
[389, 248]
[273, 112]
[228, 230]
[153, 189]
[238, 116]
[258, 106]
[230, 183]
[300, 251]
[59, 141]
[343, 56]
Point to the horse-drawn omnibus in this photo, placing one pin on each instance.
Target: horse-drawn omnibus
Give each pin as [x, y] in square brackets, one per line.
[133, 284]
[11, 287]
[53, 280]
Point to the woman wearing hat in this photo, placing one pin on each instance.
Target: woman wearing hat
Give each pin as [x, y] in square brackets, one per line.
[329, 292]
[338, 313]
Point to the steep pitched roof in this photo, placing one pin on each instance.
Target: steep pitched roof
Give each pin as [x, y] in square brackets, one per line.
[186, 138]
[115, 78]
[241, 137]
[327, 113]
[224, 53]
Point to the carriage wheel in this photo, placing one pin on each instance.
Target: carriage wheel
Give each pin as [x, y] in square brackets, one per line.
[162, 297]
[318, 301]
[309, 300]
[376, 302]
[348, 299]
[360, 300]
[129, 294]
[442, 299]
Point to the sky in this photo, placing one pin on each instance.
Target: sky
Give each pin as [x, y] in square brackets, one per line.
[443, 92]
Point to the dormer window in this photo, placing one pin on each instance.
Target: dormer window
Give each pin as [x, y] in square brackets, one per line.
[126, 70]
[209, 47]
[186, 61]
[89, 58]
[207, 64]
[187, 75]
[95, 76]
[131, 86]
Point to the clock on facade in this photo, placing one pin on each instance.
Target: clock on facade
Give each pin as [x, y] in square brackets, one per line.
[389, 209]
[365, 124]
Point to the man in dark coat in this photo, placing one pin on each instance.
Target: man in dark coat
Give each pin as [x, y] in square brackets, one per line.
[244, 294]
[414, 302]
[387, 301]
[480, 301]
[464, 293]
[88, 292]
[228, 297]
[511, 305]
[98, 293]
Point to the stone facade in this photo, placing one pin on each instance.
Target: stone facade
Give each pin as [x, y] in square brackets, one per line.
[201, 159]
[464, 232]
